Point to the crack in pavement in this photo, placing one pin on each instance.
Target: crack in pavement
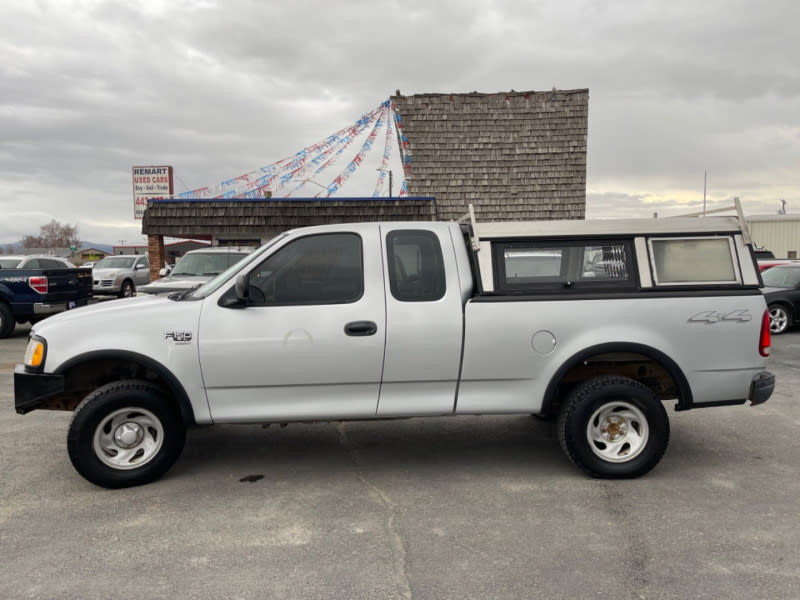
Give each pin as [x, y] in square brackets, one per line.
[636, 550]
[395, 541]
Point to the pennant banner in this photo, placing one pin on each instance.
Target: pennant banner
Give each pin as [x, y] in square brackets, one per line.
[337, 183]
[302, 167]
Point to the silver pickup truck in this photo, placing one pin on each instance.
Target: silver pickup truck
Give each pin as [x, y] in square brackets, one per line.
[596, 323]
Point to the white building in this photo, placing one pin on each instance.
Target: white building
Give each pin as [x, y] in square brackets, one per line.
[778, 233]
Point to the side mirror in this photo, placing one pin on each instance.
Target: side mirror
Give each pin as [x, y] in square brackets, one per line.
[139, 267]
[238, 297]
[163, 272]
[242, 288]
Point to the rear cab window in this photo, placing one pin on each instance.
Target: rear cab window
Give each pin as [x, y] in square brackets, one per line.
[416, 266]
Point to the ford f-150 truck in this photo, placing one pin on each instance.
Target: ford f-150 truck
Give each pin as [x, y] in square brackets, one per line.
[595, 323]
[43, 286]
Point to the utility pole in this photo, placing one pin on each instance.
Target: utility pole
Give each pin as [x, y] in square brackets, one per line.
[390, 178]
[705, 183]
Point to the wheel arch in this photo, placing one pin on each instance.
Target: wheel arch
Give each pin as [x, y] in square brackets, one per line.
[85, 372]
[781, 302]
[571, 372]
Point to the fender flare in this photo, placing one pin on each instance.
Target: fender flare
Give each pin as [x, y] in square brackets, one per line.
[174, 385]
[685, 399]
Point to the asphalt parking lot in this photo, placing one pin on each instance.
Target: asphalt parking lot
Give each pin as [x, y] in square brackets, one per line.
[468, 507]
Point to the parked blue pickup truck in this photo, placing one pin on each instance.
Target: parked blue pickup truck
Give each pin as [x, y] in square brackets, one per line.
[40, 288]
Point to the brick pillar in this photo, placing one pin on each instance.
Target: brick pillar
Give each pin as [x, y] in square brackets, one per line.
[156, 253]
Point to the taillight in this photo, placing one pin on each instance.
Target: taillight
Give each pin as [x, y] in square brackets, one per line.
[39, 284]
[765, 339]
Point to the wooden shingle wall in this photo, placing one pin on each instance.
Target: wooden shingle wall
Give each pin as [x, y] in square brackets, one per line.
[266, 218]
[514, 156]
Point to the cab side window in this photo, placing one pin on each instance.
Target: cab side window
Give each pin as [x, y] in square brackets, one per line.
[416, 266]
[317, 269]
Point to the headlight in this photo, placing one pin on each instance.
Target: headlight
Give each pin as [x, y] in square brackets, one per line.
[34, 354]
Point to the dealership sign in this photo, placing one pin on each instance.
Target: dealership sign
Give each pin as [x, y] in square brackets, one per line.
[149, 183]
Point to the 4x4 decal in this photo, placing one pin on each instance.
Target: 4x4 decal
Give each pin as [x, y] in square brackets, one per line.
[712, 316]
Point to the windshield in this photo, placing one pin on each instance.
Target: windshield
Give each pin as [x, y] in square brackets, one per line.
[782, 277]
[117, 262]
[9, 263]
[211, 286]
[206, 263]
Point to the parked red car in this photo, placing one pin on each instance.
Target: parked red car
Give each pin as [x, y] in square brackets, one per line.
[765, 264]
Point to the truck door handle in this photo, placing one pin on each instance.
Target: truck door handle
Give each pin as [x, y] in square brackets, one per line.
[361, 328]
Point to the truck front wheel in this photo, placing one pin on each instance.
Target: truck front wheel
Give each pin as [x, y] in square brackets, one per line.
[125, 433]
[613, 427]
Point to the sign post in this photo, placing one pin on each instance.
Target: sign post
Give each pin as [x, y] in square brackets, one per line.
[149, 183]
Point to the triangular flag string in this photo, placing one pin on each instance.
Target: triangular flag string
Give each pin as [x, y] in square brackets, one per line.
[294, 170]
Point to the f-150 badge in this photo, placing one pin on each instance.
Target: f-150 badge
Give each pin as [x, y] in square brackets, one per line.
[178, 336]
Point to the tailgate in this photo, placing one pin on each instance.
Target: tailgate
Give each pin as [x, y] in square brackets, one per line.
[64, 285]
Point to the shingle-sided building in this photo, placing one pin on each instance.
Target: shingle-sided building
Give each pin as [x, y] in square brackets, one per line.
[513, 155]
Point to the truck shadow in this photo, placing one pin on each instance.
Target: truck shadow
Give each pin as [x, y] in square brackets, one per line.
[453, 443]
[428, 449]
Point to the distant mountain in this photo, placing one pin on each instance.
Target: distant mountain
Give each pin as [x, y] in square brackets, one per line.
[104, 247]
[16, 248]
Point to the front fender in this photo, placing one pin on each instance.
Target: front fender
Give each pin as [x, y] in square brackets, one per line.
[163, 374]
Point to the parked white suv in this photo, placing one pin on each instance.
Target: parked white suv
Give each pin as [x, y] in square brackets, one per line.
[196, 267]
[120, 275]
[34, 261]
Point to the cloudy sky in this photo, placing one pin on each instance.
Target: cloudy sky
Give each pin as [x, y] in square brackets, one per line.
[219, 88]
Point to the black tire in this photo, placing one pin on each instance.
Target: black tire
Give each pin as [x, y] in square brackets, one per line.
[125, 433]
[7, 322]
[778, 319]
[127, 289]
[613, 427]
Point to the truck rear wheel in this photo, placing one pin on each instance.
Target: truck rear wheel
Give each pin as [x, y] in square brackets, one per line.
[7, 322]
[125, 433]
[613, 427]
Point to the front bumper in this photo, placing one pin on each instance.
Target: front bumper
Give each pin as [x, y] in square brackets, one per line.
[106, 289]
[32, 390]
[41, 308]
[761, 388]
[50, 308]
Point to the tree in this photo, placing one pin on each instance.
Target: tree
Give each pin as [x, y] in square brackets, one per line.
[53, 235]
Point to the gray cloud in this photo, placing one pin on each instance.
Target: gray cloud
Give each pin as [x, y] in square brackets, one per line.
[90, 88]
